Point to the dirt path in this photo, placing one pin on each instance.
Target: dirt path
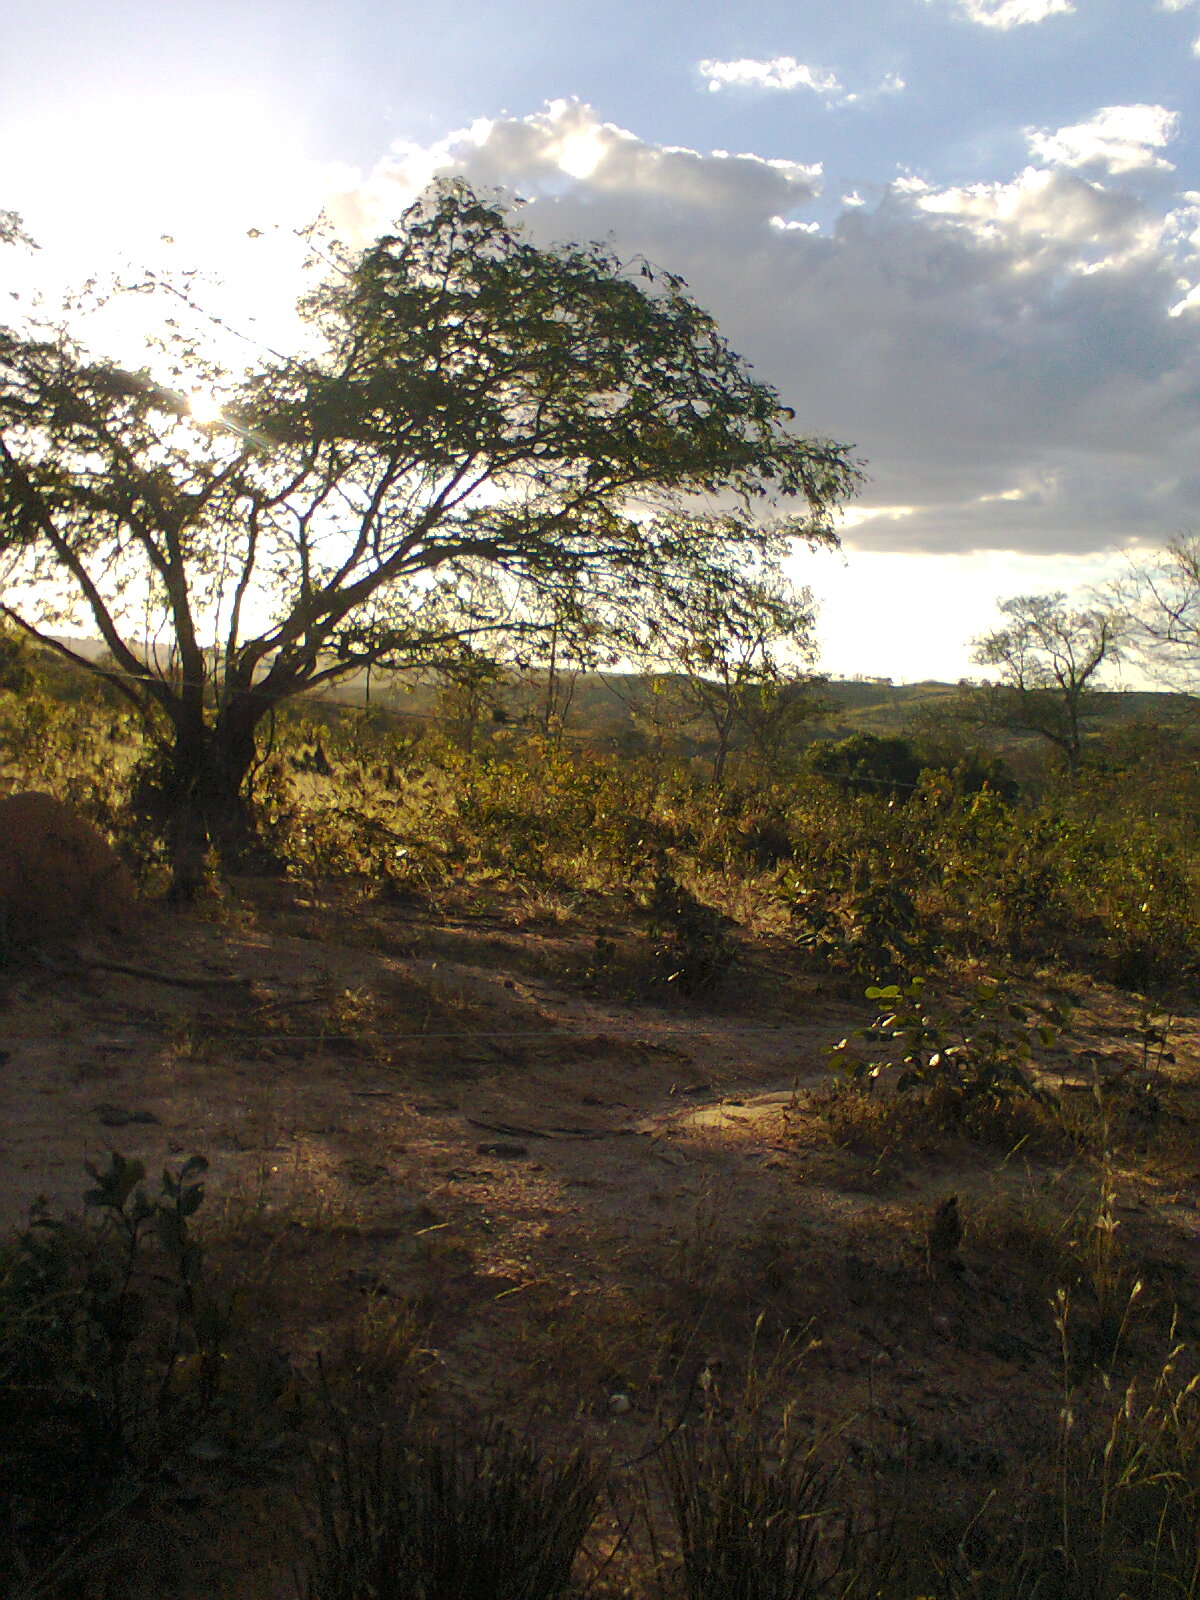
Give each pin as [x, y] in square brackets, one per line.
[281, 1063]
[576, 1198]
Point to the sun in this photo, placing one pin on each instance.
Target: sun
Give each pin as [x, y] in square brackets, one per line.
[204, 405]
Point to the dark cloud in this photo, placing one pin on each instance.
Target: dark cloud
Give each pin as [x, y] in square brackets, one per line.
[1003, 355]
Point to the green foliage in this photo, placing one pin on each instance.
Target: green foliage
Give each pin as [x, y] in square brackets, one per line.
[976, 1055]
[895, 768]
[1099, 872]
[482, 412]
[871, 927]
[67, 738]
[866, 764]
[690, 940]
[111, 1354]
[16, 666]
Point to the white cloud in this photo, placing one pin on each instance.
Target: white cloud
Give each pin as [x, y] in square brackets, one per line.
[1117, 139]
[1012, 13]
[1048, 219]
[565, 150]
[781, 72]
[969, 340]
[786, 73]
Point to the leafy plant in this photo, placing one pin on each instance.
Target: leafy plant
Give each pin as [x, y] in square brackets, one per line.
[111, 1352]
[875, 925]
[866, 764]
[978, 1054]
[691, 943]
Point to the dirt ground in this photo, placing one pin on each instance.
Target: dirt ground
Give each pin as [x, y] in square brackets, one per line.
[597, 1211]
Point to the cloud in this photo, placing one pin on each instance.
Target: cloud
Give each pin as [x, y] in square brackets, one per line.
[1181, 5]
[1117, 139]
[786, 73]
[566, 151]
[782, 72]
[1012, 13]
[1002, 354]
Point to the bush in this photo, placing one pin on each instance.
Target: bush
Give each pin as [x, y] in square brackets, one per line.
[967, 1059]
[866, 764]
[110, 1365]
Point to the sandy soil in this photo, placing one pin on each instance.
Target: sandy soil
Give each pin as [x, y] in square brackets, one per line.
[578, 1199]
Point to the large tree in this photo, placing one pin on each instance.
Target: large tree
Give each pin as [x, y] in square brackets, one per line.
[469, 404]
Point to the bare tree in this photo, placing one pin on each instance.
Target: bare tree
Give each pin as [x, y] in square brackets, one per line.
[1049, 657]
[1161, 596]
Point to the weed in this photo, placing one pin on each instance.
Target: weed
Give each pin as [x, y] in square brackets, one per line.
[412, 1512]
[1119, 1513]
[747, 1514]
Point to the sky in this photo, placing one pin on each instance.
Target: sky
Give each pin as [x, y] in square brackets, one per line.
[962, 236]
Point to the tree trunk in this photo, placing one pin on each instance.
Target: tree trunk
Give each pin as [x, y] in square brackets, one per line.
[209, 807]
[723, 725]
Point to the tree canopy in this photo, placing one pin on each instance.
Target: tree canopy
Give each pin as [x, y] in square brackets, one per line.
[482, 425]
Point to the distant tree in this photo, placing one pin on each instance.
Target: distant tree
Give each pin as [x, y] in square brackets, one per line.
[866, 764]
[471, 403]
[1049, 658]
[1161, 596]
[568, 633]
[736, 643]
[895, 768]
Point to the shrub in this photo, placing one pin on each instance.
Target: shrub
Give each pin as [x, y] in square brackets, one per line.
[970, 1058]
[110, 1365]
[866, 764]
